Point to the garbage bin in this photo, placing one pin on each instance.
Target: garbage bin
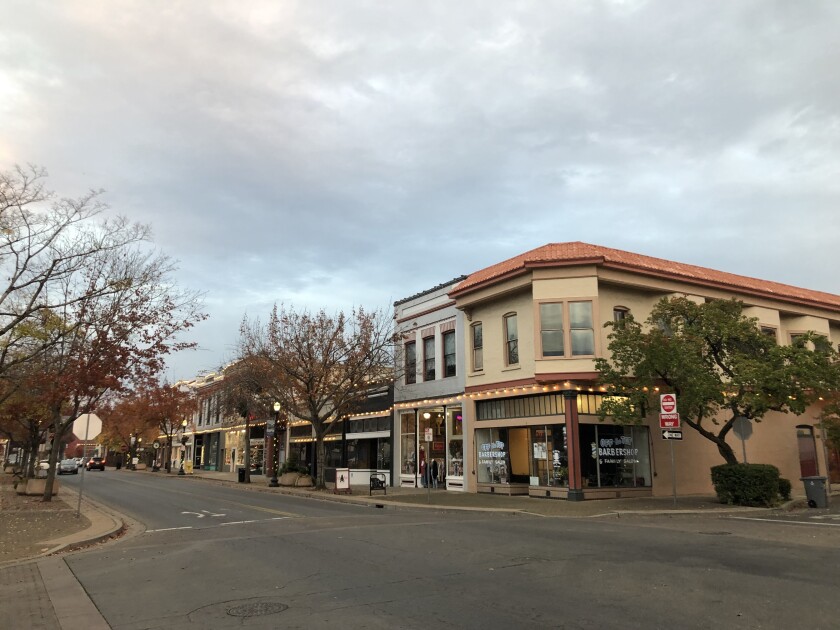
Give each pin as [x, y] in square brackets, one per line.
[815, 491]
[240, 477]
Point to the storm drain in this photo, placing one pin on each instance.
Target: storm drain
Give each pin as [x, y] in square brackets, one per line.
[259, 609]
[252, 612]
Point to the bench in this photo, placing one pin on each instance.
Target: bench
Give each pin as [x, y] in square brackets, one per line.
[377, 482]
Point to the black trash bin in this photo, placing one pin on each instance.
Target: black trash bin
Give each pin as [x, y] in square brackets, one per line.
[240, 475]
[815, 491]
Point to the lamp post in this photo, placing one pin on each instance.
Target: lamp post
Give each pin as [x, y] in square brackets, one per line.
[273, 483]
[183, 446]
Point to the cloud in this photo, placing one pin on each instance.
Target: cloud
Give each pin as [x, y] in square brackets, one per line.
[334, 153]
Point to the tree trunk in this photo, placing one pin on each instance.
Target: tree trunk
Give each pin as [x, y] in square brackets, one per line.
[58, 434]
[726, 451]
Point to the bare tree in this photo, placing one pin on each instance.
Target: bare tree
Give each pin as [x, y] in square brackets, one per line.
[324, 365]
[45, 242]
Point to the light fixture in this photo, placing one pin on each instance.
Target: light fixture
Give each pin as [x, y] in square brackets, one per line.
[426, 415]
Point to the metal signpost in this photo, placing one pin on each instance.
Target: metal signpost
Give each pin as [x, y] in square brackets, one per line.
[669, 420]
[742, 427]
[86, 428]
[429, 437]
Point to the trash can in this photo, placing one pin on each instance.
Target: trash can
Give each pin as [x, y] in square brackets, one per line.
[815, 491]
[240, 477]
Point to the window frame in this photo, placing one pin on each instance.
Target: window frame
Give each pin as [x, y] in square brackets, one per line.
[449, 334]
[410, 371]
[477, 365]
[429, 344]
[568, 350]
[506, 319]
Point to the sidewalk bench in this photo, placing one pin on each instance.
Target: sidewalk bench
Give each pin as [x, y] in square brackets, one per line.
[377, 482]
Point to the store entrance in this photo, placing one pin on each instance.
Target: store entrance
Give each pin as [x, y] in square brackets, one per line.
[432, 458]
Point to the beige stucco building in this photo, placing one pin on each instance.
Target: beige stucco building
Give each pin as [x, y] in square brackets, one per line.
[533, 327]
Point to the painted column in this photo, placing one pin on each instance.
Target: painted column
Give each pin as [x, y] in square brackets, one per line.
[573, 446]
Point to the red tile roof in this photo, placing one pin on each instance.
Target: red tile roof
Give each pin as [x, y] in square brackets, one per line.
[577, 253]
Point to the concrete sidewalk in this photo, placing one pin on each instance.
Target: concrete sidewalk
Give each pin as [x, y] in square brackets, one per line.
[41, 592]
[453, 500]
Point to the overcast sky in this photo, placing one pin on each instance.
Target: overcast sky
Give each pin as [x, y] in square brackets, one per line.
[332, 154]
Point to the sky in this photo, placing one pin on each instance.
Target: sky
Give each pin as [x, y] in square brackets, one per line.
[347, 153]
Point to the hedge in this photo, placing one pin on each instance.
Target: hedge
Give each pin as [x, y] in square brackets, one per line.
[756, 485]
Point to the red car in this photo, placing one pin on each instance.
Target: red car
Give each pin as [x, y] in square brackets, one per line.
[95, 463]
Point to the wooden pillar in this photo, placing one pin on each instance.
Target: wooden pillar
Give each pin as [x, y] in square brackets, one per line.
[573, 446]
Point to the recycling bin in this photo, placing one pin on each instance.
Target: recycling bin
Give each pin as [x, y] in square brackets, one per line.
[815, 491]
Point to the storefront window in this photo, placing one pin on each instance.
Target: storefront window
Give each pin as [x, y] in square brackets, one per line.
[492, 456]
[408, 444]
[549, 458]
[614, 456]
[455, 452]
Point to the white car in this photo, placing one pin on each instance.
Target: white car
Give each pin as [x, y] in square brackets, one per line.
[79, 462]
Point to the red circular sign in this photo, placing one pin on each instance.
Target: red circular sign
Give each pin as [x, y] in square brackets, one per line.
[668, 403]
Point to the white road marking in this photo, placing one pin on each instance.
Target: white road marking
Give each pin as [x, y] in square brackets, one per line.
[167, 529]
[773, 520]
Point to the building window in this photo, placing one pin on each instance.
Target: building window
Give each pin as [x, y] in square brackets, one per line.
[769, 331]
[477, 347]
[582, 330]
[620, 314]
[511, 340]
[410, 363]
[449, 353]
[429, 359]
[551, 329]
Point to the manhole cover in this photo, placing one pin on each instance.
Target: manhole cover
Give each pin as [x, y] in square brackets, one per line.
[257, 609]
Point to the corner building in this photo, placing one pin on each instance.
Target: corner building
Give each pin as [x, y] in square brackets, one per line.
[533, 326]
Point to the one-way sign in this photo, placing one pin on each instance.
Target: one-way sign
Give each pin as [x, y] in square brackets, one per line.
[672, 435]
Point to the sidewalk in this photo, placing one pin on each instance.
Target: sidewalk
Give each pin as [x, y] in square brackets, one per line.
[451, 500]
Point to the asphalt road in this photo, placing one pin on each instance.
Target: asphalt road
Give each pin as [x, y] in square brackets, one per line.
[215, 556]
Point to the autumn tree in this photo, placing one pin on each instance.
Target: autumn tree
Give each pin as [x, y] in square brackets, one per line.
[717, 362]
[324, 364]
[124, 416]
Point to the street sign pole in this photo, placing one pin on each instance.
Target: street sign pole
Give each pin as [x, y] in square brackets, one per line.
[84, 465]
[673, 472]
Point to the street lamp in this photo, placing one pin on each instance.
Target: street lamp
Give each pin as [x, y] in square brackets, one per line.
[273, 483]
[183, 446]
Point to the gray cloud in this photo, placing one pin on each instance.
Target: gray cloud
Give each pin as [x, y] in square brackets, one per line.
[340, 153]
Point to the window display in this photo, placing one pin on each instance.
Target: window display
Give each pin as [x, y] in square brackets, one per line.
[455, 452]
[614, 456]
[408, 444]
[492, 457]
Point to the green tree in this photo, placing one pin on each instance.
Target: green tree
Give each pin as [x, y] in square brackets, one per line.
[719, 364]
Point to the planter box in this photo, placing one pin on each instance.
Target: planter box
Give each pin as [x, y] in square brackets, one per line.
[36, 487]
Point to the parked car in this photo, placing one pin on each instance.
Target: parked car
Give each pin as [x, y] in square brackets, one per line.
[96, 463]
[79, 462]
[68, 467]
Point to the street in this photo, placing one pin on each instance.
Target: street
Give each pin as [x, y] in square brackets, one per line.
[214, 556]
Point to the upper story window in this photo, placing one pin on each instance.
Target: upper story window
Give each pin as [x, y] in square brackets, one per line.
[620, 314]
[477, 347]
[575, 340]
[551, 329]
[769, 331]
[582, 329]
[511, 340]
[449, 368]
[410, 362]
[429, 359]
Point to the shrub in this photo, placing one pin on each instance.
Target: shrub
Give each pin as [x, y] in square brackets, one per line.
[785, 488]
[756, 485]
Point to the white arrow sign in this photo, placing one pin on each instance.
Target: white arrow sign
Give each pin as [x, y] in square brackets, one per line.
[672, 435]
